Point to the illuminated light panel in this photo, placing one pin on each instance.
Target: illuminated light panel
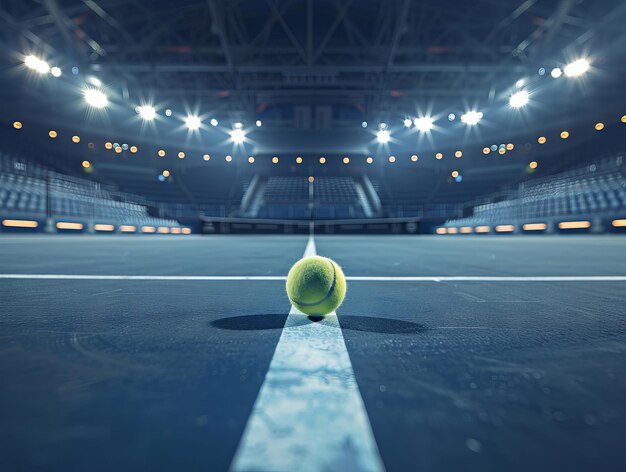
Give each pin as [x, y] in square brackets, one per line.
[518, 99]
[238, 136]
[541, 139]
[458, 154]
[76, 139]
[533, 165]
[510, 147]
[574, 224]
[251, 159]
[165, 173]
[439, 156]
[275, 160]
[452, 230]
[163, 230]
[424, 124]
[86, 164]
[599, 126]
[564, 134]
[147, 112]
[181, 155]
[619, 223]
[186, 230]
[486, 150]
[383, 136]
[148, 229]
[133, 149]
[505, 228]
[576, 68]
[311, 179]
[192, 122]
[298, 160]
[369, 160]
[441, 231]
[414, 158]
[346, 160]
[20, 223]
[128, 229]
[322, 160]
[206, 157]
[534, 227]
[103, 227]
[161, 153]
[68, 225]
[36, 64]
[95, 98]
[52, 133]
[482, 229]
[228, 158]
[472, 117]
[466, 230]
[17, 124]
[455, 174]
[392, 158]
[175, 230]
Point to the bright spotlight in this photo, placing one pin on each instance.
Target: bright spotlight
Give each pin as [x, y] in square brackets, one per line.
[36, 64]
[407, 122]
[383, 136]
[192, 122]
[471, 117]
[238, 135]
[424, 124]
[519, 99]
[364, 124]
[214, 122]
[147, 112]
[556, 72]
[31, 62]
[259, 123]
[576, 68]
[56, 71]
[96, 98]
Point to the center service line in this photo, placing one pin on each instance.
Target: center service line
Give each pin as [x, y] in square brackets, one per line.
[309, 415]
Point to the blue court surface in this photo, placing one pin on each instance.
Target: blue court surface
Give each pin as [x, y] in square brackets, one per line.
[156, 353]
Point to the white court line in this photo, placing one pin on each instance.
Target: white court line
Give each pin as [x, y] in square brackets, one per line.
[217, 278]
[309, 415]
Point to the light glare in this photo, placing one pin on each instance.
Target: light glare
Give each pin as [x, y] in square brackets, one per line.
[147, 112]
[383, 136]
[471, 117]
[238, 135]
[519, 99]
[576, 68]
[424, 124]
[96, 98]
[192, 122]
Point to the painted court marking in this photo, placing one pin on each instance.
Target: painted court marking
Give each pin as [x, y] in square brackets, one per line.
[309, 415]
[226, 278]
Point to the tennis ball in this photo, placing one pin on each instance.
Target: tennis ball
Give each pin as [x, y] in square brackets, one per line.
[316, 285]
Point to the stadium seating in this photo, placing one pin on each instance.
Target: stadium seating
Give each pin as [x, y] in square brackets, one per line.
[25, 189]
[596, 191]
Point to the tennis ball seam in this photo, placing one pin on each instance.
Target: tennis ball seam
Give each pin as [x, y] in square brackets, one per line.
[328, 294]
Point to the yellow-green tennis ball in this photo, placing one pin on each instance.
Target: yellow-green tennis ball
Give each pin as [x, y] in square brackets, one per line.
[316, 285]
